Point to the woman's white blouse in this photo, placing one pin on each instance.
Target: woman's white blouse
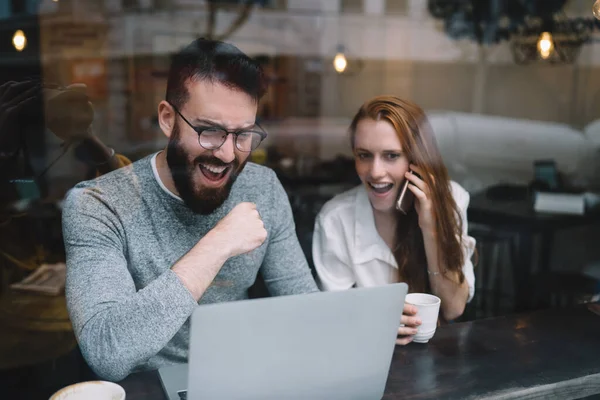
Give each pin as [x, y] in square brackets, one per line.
[348, 251]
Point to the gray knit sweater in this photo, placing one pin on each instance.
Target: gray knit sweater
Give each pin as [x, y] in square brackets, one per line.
[123, 232]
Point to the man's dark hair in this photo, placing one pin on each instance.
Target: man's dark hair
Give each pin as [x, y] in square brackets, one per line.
[213, 61]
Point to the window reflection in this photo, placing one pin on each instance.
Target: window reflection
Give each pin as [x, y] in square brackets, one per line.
[511, 121]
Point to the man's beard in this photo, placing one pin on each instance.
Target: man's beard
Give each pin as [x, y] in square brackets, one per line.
[201, 200]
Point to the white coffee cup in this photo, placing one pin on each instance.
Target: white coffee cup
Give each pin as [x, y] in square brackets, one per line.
[92, 390]
[428, 307]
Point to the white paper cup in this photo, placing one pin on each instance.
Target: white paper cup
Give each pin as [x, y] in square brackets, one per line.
[92, 390]
[428, 307]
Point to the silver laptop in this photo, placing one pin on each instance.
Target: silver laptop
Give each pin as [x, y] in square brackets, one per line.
[328, 345]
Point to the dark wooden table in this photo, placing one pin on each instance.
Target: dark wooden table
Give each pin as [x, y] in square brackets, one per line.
[516, 212]
[552, 354]
[517, 216]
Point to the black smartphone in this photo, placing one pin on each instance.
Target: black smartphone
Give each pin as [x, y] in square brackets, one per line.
[547, 173]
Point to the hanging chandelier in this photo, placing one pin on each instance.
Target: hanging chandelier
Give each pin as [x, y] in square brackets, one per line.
[558, 40]
[538, 31]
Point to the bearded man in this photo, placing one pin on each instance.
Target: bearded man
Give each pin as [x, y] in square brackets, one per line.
[192, 224]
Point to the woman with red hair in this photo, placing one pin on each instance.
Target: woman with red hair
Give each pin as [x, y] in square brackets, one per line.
[361, 239]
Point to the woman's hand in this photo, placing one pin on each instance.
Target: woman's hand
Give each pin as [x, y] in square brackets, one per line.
[410, 323]
[423, 203]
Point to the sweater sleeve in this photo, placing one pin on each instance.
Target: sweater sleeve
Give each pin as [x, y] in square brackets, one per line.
[117, 325]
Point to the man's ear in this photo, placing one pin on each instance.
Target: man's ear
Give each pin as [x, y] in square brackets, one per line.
[166, 118]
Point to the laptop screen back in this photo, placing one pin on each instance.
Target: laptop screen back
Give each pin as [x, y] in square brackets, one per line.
[316, 346]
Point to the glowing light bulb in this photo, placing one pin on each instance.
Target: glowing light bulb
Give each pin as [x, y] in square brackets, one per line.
[340, 63]
[19, 40]
[545, 45]
[596, 9]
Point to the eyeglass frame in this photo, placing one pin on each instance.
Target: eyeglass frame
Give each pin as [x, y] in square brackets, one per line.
[236, 133]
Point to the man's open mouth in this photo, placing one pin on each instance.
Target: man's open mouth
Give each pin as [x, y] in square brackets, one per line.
[214, 173]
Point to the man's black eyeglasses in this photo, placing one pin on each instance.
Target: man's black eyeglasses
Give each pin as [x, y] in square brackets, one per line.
[212, 137]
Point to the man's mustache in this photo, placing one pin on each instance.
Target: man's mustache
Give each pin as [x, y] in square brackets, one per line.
[213, 161]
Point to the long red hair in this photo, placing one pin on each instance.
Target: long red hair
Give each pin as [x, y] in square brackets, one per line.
[419, 145]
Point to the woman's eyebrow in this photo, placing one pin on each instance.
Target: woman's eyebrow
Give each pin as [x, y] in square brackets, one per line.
[387, 151]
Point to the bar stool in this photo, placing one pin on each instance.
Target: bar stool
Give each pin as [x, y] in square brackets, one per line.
[494, 249]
